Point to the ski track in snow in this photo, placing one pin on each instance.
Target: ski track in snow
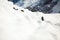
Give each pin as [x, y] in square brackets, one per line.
[26, 25]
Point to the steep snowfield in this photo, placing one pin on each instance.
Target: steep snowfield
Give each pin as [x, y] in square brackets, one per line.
[17, 23]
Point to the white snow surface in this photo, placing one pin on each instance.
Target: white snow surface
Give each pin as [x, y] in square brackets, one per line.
[27, 25]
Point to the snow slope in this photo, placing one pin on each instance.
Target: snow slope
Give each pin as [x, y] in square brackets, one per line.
[17, 23]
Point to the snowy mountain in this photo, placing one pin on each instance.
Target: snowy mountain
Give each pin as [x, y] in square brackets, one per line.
[17, 23]
[45, 6]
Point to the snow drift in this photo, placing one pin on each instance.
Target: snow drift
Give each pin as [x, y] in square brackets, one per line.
[17, 23]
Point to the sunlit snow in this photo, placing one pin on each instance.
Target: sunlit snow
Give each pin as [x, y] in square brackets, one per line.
[17, 23]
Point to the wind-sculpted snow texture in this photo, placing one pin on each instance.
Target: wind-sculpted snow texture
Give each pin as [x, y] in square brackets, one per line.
[17, 23]
[45, 6]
